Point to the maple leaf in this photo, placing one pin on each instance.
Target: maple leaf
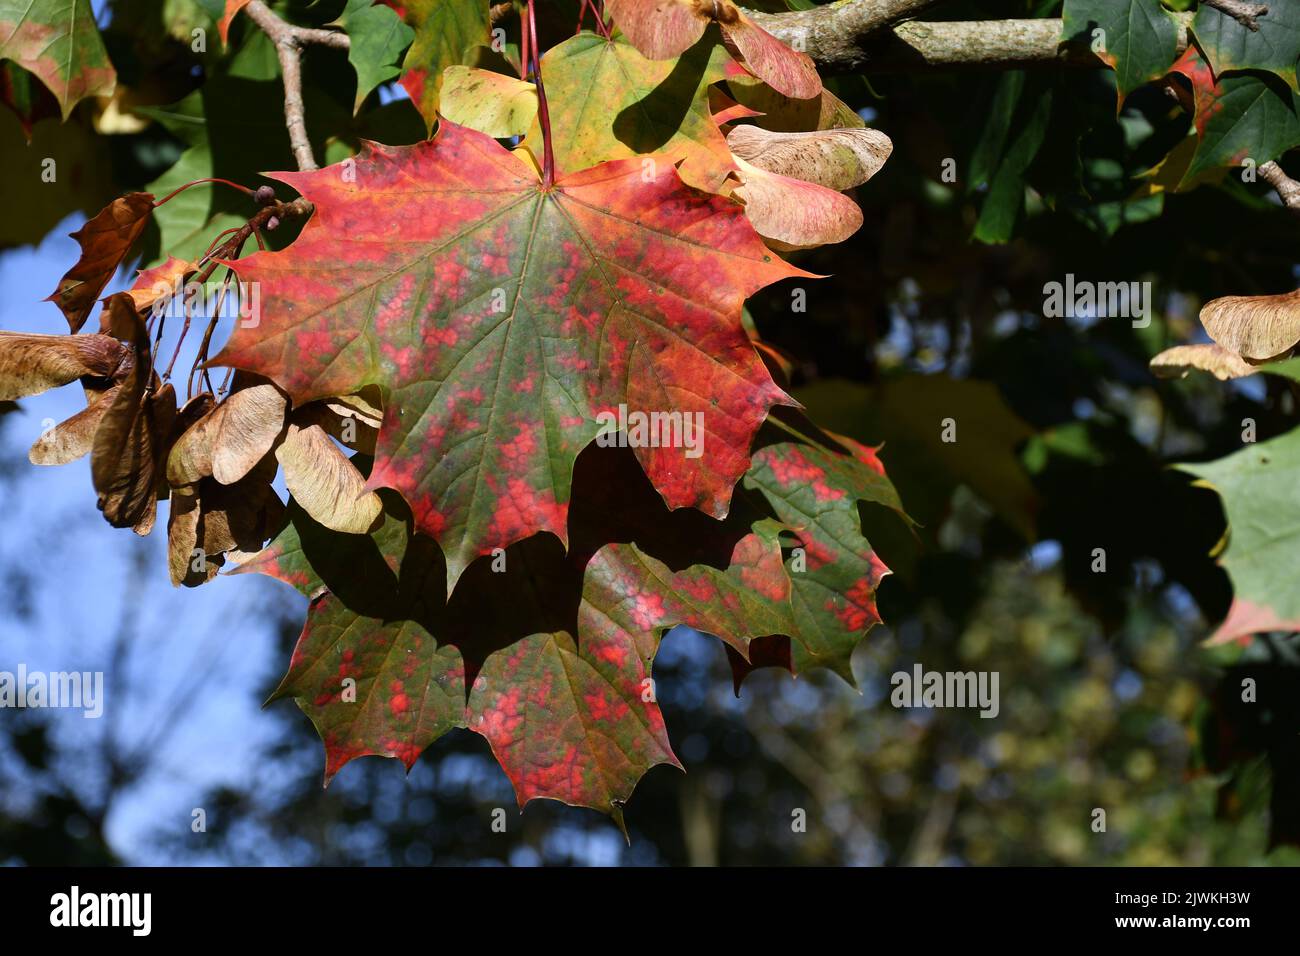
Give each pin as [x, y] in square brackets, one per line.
[1273, 45]
[377, 38]
[1257, 488]
[662, 29]
[815, 492]
[1236, 117]
[1138, 39]
[58, 41]
[502, 316]
[30, 100]
[558, 680]
[447, 32]
[384, 666]
[608, 101]
[501, 106]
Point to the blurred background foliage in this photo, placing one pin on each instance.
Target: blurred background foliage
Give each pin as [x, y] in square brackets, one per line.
[933, 310]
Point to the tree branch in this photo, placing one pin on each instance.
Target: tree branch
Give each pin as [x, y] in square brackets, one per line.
[289, 41]
[831, 34]
[1241, 11]
[865, 36]
[1288, 189]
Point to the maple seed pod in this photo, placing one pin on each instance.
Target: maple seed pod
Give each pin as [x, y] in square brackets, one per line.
[264, 195]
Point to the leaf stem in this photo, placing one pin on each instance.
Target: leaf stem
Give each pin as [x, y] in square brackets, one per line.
[180, 189]
[543, 114]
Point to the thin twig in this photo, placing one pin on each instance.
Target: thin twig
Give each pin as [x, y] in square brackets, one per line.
[1240, 10]
[289, 41]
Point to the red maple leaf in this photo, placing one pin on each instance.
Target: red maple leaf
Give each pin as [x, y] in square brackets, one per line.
[502, 316]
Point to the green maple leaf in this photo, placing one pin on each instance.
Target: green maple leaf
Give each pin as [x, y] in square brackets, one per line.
[378, 37]
[1238, 117]
[1139, 38]
[1258, 485]
[58, 41]
[1230, 45]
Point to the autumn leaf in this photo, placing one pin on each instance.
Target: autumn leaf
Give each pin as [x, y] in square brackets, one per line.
[58, 41]
[1237, 117]
[105, 240]
[30, 101]
[447, 33]
[163, 280]
[501, 106]
[607, 101]
[502, 317]
[559, 679]
[663, 29]
[815, 492]
[232, 9]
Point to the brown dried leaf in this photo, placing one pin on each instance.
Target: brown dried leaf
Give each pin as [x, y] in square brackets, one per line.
[838, 159]
[160, 281]
[1254, 326]
[31, 364]
[325, 483]
[1209, 357]
[105, 240]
